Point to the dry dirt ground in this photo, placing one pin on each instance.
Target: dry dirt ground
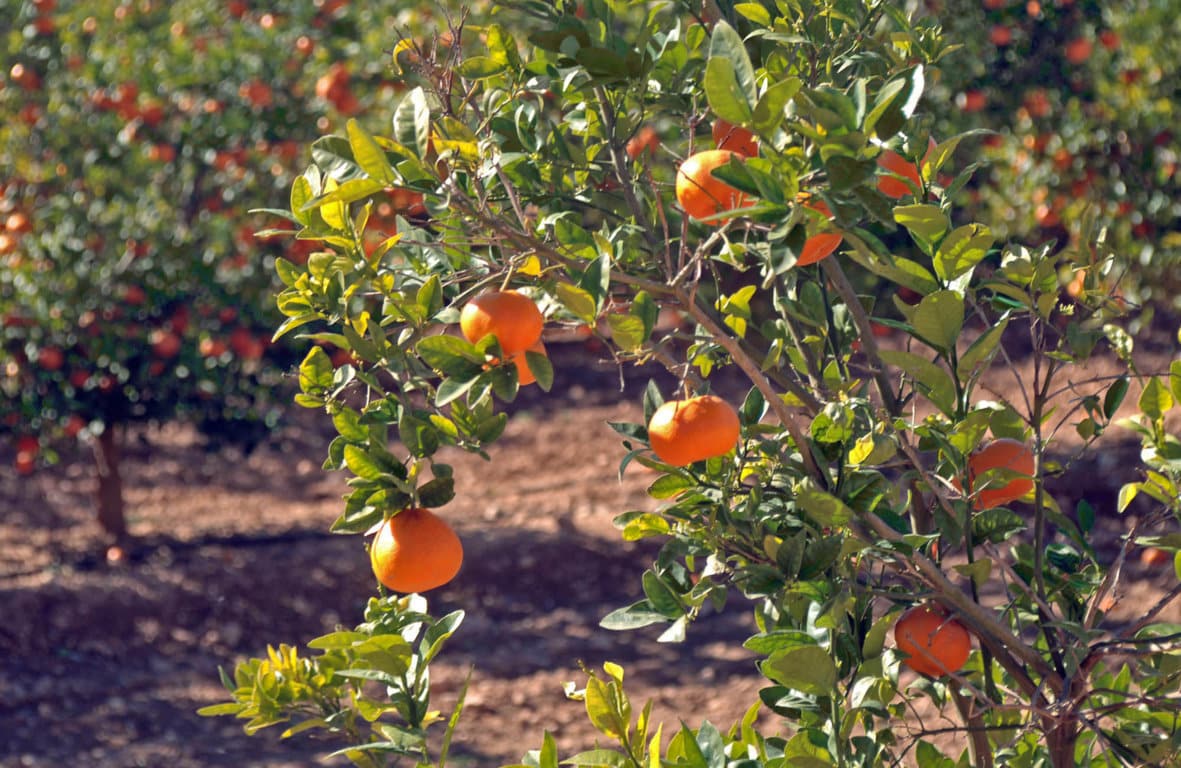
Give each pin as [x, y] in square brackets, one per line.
[105, 665]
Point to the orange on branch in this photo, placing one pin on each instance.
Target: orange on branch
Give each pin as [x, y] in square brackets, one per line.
[700, 193]
[935, 643]
[896, 165]
[734, 138]
[415, 550]
[525, 376]
[818, 247]
[684, 431]
[1008, 454]
[511, 317]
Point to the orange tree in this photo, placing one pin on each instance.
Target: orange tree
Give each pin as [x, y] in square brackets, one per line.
[134, 136]
[1081, 96]
[879, 499]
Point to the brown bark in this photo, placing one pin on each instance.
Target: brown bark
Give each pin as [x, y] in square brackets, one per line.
[109, 488]
[1061, 736]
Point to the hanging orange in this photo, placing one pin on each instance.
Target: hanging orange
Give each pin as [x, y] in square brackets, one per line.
[700, 193]
[415, 550]
[511, 317]
[1004, 453]
[817, 247]
[684, 431]
[525, 376]
[734, 138]
[935, 643]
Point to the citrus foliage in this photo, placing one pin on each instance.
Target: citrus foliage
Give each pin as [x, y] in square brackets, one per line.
[329, 691]
[842, 503]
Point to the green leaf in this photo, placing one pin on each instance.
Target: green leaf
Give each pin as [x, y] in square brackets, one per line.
[451, 355]
[667, 486]
[978, 571]
[962, 250]
[412, 122]
[723, 95]
[452, 389]
[436, 492]
[597, 758]
[634, 616]
[807, 669]
[348, 425]
[541, 368]
[368, 155]
[938, 319]
[627, 331]
[646, 310]
[927, 222]
[430, 296]
[580, 303]
[481, 67]
[755, 12]
[770, 109]
[362, 463]
[1156, 400]
[730, 76]
[301, 192]
[1127, 493]
[827, 510]
[661, 596]
[1115, 396]
[315, 372]
[981, 350]
[932, 381]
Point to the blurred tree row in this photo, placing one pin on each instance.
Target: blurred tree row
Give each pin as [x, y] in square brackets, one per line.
[1082, 95]
[135, 139]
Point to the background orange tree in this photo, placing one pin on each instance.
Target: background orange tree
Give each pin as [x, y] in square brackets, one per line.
[134, 136]
[864, 481]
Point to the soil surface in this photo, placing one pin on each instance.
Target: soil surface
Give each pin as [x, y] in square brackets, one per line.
[105, 664]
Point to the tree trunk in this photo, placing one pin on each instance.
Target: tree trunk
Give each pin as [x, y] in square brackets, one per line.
[109, 490]
[1061, 736]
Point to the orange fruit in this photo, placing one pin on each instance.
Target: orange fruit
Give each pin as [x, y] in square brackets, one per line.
[684, 431]
[415, 550]
[645, 140]
[935, 643]
[510, 316]
[702, 195]
[1154, 556]
[817, 247]
[894, 163]
[525, 376]
[1005, 453]
[734, 138]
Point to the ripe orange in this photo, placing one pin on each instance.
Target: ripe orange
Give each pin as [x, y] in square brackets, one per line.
[415, 550]
[1005, 453]
[684, 431]
[1154, 556]
[935, 643]
[702, 195]
[645, 140]
[525, 376]
[734, 138]
[817, 247]
[894, 163]
[510, 316]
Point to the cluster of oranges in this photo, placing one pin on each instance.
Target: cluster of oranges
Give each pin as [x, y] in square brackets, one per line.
[416, 550]
[704, 197]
